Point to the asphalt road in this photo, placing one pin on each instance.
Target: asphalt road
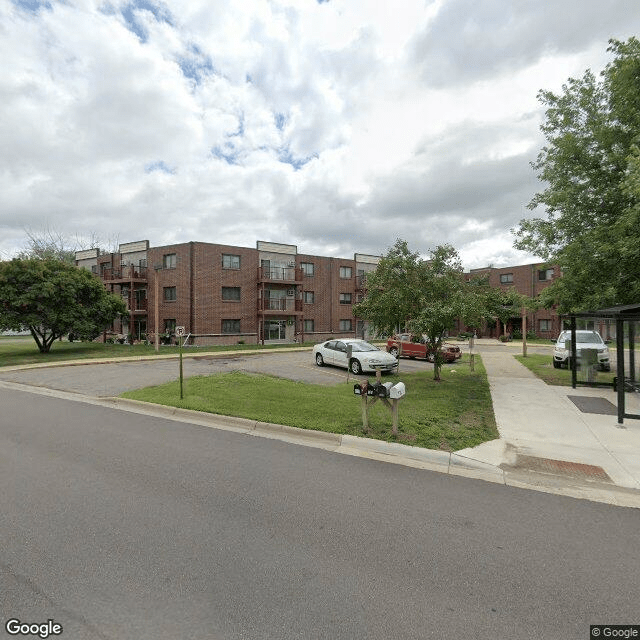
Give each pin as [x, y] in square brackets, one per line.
[118, 525]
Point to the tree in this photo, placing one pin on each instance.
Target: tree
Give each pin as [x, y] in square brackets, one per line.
[424, 296]
[591, 170]
[52, 298]
[50, 244]
[392, 289]
[506, 304]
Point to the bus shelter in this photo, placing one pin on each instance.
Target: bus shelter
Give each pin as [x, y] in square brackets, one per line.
[626, 319]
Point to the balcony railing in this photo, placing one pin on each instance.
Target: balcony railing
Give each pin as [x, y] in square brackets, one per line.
[127, 272]
[280, 304]
[280, 274]
[138, 305]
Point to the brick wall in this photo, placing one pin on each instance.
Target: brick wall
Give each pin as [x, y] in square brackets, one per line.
[528, 280]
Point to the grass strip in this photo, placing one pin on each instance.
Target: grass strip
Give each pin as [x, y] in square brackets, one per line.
[449, 415]
[542, 366]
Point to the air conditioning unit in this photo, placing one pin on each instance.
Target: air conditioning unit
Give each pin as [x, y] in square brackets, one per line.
[292, 263]
[291, 292]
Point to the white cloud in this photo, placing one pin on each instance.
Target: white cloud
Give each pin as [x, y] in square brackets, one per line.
[337, 126]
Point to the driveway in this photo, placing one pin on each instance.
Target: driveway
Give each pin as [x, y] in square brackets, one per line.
[106, 380]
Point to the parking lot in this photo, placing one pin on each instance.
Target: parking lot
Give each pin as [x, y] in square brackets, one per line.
[112, 379]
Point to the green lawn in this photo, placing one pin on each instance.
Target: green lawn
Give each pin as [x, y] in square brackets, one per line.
[542, 366]
[23, 350]
[452, 414]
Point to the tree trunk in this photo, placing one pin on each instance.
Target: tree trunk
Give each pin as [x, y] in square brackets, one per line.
[44, 343]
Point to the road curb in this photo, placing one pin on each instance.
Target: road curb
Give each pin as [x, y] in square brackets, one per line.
[397, 453]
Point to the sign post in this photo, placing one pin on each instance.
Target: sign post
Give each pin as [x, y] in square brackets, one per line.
[179, 335]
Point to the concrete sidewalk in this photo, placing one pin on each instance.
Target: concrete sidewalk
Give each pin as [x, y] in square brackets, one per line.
[542, 430]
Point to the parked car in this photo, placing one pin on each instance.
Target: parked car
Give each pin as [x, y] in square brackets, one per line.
[417, 347]
[584, 340]
[364, 356]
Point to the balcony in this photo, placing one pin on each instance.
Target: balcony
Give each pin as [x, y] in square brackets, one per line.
[278, 306]
[139, 306]
[280, 274]
[124, 273]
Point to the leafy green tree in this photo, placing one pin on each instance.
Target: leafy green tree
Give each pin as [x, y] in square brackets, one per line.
[424, 296]
[590, 168]
[392, 288]
[504, 304]
[51, 298]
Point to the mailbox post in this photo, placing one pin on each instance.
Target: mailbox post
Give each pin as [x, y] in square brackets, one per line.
[180, 334]
[379, 391]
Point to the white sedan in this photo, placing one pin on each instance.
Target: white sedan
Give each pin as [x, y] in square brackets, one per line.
[364, 356]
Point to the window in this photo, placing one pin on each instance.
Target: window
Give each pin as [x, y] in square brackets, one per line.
[231, 326]
[307, 268]
[506, 278]
[230, 261]
[231, 293]
[169, 261]
[309, 326]
[545, 274]
[345, 325]
[544, 325]
[308, 297]
[345, 272]
[170, 294]
[170, 326]
[345, 298]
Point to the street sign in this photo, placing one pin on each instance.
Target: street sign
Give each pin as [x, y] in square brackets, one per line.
[179, 331]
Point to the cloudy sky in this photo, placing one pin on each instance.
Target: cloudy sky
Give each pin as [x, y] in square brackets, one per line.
[334, 125]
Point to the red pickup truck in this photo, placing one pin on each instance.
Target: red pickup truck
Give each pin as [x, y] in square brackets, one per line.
[415, 347]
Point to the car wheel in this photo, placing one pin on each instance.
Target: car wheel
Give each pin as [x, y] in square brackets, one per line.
[606, 367]
[319, 360]
[356, 367]
[394, 351]
[431, 357]
[556, 364]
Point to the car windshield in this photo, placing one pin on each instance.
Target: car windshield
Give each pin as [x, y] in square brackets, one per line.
[583, 338]
[363, 346]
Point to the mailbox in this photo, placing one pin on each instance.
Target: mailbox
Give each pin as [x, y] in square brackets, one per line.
[382, 390]
[372, 390]
[397, 391]
[360, 389]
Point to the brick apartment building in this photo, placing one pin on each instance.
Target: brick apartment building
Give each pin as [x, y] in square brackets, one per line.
[223, 294]
[528, 280]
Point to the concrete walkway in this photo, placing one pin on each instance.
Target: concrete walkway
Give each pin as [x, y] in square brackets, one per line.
[542, 429]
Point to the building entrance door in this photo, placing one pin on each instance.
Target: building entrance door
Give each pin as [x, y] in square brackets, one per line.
[275, 329]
